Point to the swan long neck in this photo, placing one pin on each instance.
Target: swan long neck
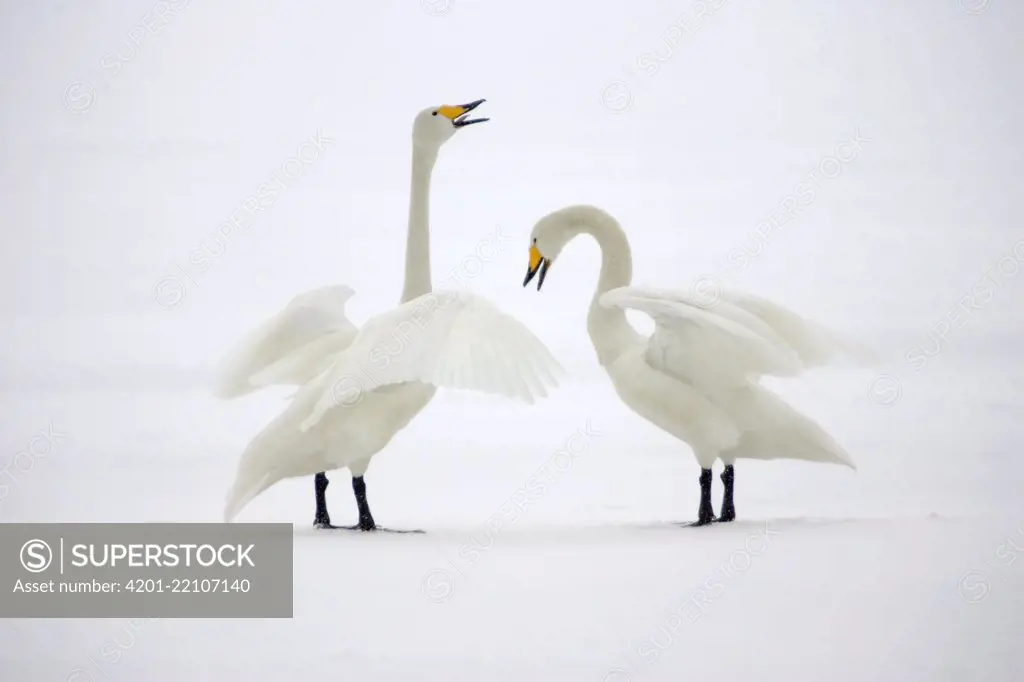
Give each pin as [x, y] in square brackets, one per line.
[417, 245]
[609, 330]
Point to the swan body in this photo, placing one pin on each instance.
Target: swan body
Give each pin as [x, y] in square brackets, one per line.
[386, 376]
[697, 375]
[748, 422]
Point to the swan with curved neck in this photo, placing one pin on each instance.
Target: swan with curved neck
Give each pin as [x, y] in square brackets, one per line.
[696, 377]
[302, 343]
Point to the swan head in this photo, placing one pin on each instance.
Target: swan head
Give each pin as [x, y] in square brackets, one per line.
[547, 240]
[436, 125]
[552, 232]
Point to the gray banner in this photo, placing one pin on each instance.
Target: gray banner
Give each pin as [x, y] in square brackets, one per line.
[146, 570]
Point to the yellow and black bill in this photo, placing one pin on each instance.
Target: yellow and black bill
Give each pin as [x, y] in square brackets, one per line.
[538, 264]
[457, 113]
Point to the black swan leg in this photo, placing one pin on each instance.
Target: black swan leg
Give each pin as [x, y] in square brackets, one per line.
[728, 508]
[705, 513]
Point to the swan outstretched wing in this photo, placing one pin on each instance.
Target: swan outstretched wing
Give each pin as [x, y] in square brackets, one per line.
[814, 344]
[716, 348]
[291, 347]
[448, 339]
[706, 344]
[307, 361]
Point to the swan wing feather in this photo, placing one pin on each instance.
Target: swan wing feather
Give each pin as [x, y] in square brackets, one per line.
[814, 343]
[715, 348]
[448, 339]
[291, 346]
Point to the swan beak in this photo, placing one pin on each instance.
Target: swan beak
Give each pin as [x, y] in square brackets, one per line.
[538, 264]
[457, 113]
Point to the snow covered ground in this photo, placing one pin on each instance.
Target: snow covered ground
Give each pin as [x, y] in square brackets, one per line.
[133, 132]
[910, 568]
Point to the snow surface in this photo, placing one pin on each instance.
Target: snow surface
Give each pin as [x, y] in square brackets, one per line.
[911, 568]
[828, 574]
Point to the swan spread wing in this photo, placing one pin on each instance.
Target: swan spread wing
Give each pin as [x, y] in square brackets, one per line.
[715, 348]
[292, 347]
[448, 339]
[814, 344]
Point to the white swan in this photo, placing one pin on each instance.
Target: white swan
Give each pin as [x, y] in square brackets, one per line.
[382, 376]
[696, 376]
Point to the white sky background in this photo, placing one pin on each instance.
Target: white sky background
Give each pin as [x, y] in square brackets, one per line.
[100, 204]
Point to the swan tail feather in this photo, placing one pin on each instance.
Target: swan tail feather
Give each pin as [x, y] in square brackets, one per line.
[775, 430]
[277, 452]
[240, 496]
[806, 447]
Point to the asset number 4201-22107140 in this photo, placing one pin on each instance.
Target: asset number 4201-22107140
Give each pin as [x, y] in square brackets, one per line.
[201, 585]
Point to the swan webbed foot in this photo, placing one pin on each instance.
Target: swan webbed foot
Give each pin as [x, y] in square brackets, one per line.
[366, 524]
[381, 529]
[360, 527]
[728, 508]
[325, 525]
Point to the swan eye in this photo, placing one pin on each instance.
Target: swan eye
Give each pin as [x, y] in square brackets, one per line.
[434, 114]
